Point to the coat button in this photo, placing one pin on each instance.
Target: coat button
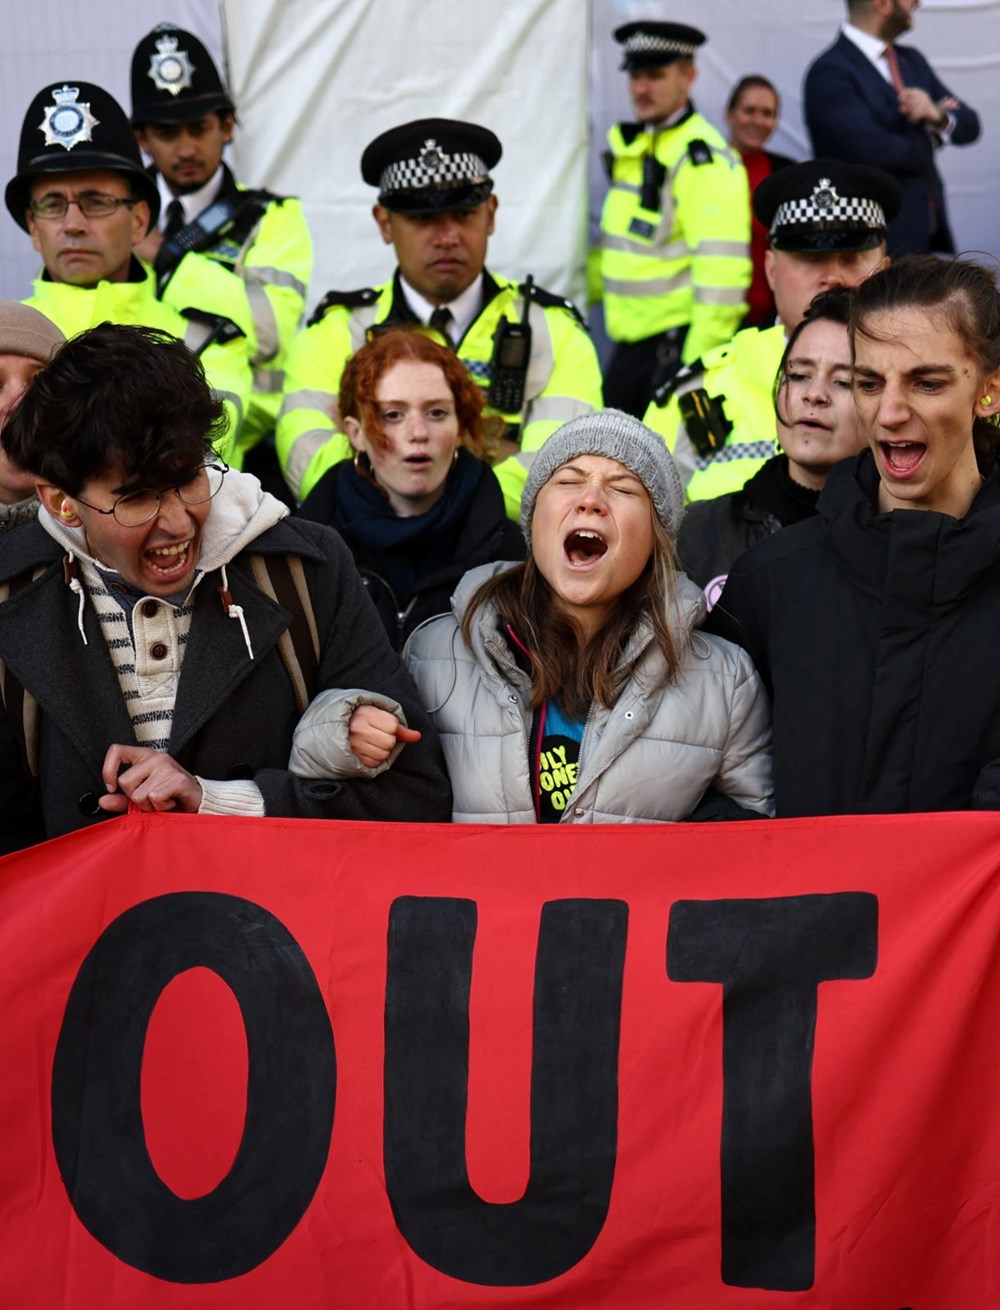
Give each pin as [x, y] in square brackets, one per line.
[240, 771]
[512, 698]
[89, 804]
[158, 650]
[150, 609]
[578, 814]
[118, 588]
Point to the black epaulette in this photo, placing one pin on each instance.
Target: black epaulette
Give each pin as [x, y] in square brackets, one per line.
[700, 152]
[221, 329]
[345, 299]
[683, 377]
[549, 300]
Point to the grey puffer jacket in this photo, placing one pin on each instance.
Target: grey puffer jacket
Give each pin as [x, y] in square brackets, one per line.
[648, 759]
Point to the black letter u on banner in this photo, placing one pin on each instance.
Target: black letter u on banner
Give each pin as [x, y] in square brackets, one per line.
[97, 1114]
[574, 1091]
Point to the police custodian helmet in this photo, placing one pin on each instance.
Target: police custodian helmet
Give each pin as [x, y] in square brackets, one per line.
[432, 164]
[74, 127]
[826, 205]
[174, 79]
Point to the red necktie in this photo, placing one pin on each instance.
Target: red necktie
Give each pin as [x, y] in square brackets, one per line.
[895, 75]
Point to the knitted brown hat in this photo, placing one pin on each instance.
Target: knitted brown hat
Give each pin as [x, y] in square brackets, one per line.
[24, 331]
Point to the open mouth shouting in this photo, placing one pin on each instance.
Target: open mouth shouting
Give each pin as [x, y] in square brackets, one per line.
[902, 459]
[584, 547]
[170, 563]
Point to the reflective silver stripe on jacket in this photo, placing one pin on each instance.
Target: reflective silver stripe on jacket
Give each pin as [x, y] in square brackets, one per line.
[720, 295]
[556, 409]
[324, 401]
[264, 323]
[630, 246]
[723, 249]
[659, 286]
[300, 456]
[269, 379]
[276, 277]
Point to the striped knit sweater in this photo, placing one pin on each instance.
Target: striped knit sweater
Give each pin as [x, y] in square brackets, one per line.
[147, 650]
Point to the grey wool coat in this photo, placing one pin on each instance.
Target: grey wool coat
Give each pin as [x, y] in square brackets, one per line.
[647, 759]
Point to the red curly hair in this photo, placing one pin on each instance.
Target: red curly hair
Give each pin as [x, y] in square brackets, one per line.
[364, 370]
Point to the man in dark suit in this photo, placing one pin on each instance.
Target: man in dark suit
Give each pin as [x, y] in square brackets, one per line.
[869, 101]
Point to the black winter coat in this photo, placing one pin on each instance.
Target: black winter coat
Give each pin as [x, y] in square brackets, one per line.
[482, 535]
[234, 716]
[714, 533]
[876, 635]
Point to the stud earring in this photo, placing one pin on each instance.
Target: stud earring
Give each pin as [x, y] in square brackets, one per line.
[986, 400]
[67, 512]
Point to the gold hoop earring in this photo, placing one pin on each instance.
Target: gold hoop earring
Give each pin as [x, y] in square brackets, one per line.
[363, 468]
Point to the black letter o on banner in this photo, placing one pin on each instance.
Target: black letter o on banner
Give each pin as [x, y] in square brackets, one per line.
[97, 1126]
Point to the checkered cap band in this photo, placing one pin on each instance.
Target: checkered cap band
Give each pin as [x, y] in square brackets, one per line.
[434, 167]
[643, 43]
[855, 210]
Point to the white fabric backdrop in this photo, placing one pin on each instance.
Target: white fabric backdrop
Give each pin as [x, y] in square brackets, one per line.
[316, 80]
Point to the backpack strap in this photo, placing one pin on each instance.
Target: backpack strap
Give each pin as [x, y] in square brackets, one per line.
[283, 578]
[19, 705]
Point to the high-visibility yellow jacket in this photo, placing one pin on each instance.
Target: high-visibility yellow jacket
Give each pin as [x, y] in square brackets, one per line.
[257, 274]
[563, 379]
[220, 345]
[737, 380]
[687, 261]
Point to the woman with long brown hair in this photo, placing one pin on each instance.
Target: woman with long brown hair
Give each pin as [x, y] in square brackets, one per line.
[576, 687]
[873, 624]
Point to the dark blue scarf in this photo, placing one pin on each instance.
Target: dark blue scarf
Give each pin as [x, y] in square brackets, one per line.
[405, 550]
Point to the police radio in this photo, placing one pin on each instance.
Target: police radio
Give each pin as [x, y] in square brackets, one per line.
[705, 420]
[511, 356]
[654, 174]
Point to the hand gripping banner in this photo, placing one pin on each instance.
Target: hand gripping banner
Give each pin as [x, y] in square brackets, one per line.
[261, 1062]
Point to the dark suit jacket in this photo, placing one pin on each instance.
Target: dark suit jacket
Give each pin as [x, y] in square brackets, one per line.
[852, 114]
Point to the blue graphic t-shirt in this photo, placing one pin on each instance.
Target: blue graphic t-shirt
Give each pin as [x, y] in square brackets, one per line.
[559, 741]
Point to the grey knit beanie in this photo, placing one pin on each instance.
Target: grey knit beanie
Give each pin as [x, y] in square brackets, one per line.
[24, 331]
[615, 435]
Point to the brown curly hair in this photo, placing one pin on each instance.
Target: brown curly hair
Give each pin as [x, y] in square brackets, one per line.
[360, 380]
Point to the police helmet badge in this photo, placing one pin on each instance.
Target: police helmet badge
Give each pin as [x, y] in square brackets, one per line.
[170, 69]
[66, 121]
[431, 156]
[824, 194]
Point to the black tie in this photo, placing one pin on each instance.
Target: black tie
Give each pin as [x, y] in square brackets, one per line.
[175, 219]
[441, 320]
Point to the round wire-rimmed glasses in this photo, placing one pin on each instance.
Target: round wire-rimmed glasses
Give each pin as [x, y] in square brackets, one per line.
[138, 507]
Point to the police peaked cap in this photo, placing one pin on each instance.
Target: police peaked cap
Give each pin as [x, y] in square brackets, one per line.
[824, 204]
[75, 127]
[431, 165]
[651, 45]
[174, 79]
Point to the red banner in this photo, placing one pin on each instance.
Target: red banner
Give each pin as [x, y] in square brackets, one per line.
[263, 1063]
